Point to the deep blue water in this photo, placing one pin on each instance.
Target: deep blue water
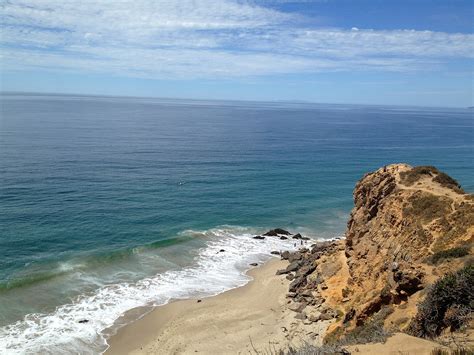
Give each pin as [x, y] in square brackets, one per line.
[96, 191]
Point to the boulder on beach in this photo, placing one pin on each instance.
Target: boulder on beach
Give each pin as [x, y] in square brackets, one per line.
[297, 307]
[259, 237]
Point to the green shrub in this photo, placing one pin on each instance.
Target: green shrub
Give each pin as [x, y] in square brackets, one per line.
[449, 303]
[453, 253]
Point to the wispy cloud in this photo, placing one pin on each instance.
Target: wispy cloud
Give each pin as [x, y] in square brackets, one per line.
[204, 38]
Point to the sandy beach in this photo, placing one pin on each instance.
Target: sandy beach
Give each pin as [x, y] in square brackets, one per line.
[254, 318]
[239, 321]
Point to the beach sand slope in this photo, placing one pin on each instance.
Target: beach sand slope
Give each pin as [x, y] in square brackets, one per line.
[239, 321]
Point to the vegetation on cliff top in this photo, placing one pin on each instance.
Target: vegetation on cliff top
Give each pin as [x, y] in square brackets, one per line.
[409, 177]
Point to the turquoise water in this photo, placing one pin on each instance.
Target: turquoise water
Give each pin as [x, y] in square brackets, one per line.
[106, 199]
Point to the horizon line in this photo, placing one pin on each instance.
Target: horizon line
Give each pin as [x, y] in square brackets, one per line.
[305, 102]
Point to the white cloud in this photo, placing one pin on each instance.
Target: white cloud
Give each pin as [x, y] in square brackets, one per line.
[204, 38]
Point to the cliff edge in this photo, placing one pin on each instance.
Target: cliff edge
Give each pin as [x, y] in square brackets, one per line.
[402, 217]
[410, 226]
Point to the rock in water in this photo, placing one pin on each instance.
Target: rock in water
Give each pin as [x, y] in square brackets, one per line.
[300, 237]
[275, 232]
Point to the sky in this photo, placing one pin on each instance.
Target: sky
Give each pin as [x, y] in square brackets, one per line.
[393, 52]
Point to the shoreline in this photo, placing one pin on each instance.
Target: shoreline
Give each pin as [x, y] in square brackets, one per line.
[258, 317]
[240, 320]
[221, 264]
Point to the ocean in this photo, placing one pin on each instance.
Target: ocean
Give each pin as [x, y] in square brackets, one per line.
[109, 203]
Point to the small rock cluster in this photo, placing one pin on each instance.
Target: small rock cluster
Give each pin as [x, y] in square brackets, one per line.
[304, 296]
[280, 233]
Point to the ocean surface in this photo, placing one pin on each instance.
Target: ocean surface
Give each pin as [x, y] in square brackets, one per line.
[108, 204]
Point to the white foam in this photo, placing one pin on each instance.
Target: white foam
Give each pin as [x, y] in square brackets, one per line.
[214, 272]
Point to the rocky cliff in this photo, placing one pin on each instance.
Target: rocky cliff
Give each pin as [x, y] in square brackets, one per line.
[402, 215]
[409, 227]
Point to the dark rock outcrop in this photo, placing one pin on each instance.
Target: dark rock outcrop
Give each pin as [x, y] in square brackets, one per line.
[299, 237]
[277, 231]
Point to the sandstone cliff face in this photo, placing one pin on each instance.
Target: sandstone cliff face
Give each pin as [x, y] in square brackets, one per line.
[402, 216]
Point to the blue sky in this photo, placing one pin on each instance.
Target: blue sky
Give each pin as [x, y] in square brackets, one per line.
[400, 52]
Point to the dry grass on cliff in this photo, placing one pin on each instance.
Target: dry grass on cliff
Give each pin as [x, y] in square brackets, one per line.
[455, 226]
[372, 331]
[309, 349]
[461, 351]
[447, 181]
[409, 177]
[452, 253]
[426, 207]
